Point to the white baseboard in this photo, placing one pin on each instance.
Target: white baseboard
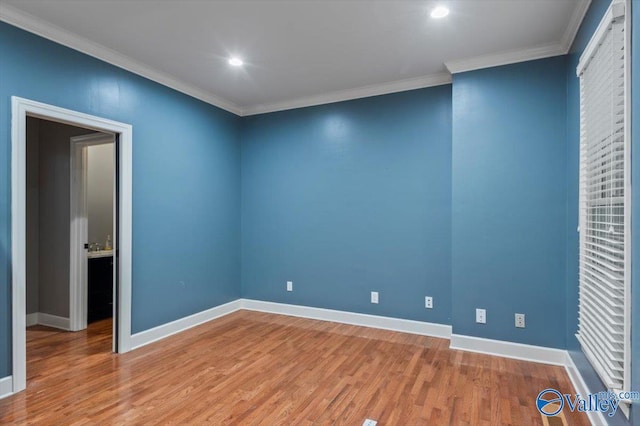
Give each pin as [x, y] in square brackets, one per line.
[6, 386]
[154, 334]
[53, 321]
[509, 349]
[344, 317]
[32, 319]
[595, 417]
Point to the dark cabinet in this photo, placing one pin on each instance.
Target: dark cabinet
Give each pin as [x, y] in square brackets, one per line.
[100, 288]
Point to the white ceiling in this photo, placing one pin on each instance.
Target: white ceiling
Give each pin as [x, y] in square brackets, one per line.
[301, 52]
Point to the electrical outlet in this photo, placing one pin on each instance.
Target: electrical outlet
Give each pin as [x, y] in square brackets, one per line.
[374, 297]
[520, 320]
[289, 285]
[481, 316]
[428, 302]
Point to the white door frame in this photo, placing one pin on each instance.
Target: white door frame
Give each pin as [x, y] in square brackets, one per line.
[79, 227]
[21, 108]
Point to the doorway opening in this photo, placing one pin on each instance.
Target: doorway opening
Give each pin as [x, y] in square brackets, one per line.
[83, 132]
[92, 225]
[71, 217]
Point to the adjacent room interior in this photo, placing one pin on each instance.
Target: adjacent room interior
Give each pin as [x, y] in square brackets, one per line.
[70, 184]
[318, 212]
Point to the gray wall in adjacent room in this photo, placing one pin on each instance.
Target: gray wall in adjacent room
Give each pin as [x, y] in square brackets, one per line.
[54, 228]
[100, 170]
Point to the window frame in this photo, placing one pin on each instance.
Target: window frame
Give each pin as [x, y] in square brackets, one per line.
[616, 9]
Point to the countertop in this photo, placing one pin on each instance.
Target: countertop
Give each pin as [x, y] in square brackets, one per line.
[100, 253]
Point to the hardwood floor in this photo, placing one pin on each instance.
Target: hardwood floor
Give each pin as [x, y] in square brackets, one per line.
[254, 368]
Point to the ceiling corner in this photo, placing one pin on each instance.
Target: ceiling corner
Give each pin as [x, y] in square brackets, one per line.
[34, 25]
[574, 25]
[421, 82]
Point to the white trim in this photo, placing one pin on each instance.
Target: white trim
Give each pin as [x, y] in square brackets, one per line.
[616, 10]
[628, 225]
[350, 94]
[343, 317]
[574, 25]
[504, 58]
[20, 109]
[509, 349]
[53, 321]
[18, 244]
[59, 35]
[160, 332]
[79, 226]
[352, 318]
[40, 318]
[78, 235]
[32, 319]
[6, 387]
[123, 239]
[581, 388]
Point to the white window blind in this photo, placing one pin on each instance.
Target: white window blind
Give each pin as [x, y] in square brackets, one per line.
[603, 329]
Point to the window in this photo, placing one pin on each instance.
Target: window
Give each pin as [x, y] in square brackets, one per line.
[604, 311]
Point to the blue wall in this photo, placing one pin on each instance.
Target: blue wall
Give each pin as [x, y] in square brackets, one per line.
[348, 198]
[509, 198]
[186, 178]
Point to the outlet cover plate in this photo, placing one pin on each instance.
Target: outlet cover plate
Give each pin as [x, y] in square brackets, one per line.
[520, 321]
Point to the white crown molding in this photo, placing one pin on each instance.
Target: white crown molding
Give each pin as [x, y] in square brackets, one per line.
[351, 318]
[357, 93]
[506, 349]
[523, 55]
[574, 25]
[504, 58]
[30, 23]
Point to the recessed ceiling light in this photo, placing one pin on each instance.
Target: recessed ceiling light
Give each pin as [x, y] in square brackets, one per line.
[236, 62]
[439, 12]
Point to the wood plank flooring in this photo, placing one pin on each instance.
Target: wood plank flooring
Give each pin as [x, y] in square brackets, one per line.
[254, 368]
